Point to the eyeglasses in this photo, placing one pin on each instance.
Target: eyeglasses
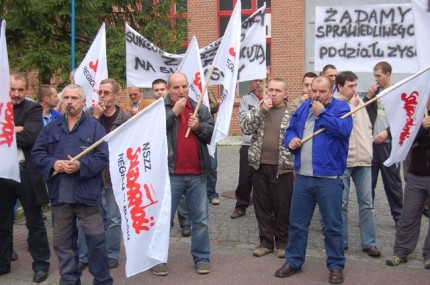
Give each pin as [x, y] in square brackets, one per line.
[107, 92]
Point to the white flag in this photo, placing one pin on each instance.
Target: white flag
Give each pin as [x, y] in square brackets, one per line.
[191, 66]
[421, 11]
[227, 60]
[9, 168]
[405, 104]
[93, 68]
[141, 184]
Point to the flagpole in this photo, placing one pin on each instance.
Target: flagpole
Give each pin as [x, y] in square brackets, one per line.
[72, 47]
[112, 133]
[383, 93]
[199, 102]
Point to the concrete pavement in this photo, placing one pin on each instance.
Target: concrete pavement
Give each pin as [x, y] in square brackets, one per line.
[232, 242]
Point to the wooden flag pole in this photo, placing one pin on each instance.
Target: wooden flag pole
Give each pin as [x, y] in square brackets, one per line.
[199, 102]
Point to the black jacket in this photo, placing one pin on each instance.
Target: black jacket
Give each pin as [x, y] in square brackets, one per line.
[203, 135]
[29, 115]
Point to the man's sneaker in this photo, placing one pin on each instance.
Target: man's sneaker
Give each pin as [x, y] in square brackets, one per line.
[237, 213]
[280, 252]
[186, 231]
[203, 268]
[261, 251]
[160, 269]
[427, 264]
[113, 263]
[395, 260]
[214, 201]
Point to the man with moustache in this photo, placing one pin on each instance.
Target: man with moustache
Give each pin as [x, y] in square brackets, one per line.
[31, 191]
[74, 186]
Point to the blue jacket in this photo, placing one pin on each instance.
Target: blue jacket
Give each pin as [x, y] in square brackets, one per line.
[329, 148]
[56, 142]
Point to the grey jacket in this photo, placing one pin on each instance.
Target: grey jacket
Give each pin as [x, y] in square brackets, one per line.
[247, 102]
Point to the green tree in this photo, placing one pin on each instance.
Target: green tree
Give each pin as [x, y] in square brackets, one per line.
[39, 32]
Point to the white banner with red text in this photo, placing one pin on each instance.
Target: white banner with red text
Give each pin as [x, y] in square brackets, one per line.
[141, 184]
[191, 66]
[227, 60]
[93, 69]
[405, 104]
[9, 168]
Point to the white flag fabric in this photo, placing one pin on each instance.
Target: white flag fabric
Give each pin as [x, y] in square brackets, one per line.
[141, 184]
[227, 60]
[146, 62]
[421, 11]
[191, 66]
[9, 169]
[405, 104]
[93, 68]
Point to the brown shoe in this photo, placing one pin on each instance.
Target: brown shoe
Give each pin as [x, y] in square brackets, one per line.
[261, 251]
[372, 251]
[336, 276]
[286, 270]
[237, 213]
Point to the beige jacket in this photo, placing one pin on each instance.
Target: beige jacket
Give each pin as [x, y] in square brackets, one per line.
[360, 150]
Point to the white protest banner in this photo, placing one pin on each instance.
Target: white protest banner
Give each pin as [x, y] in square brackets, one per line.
[421, 12]
[9, 169]
[227, 61]
[93, 68]
[146, 62]
[357, 37]
[141, 184]
[405, 104]
[191, 66]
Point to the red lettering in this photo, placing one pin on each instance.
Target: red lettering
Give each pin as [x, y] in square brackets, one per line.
[136, 197]
[93, 65]
[410, 106]
[8, 126]
[198, 82]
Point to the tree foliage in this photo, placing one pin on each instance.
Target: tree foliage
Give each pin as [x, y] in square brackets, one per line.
[39, 32]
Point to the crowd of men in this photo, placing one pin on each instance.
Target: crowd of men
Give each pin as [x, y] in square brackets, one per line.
[285, 170]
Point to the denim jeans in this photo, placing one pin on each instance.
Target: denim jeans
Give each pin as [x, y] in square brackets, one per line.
[194, 189]
[65, 235]
[37, 240]
[308, 191]
[212, 177]
[112, 222]
[362, 177]
[112, 219]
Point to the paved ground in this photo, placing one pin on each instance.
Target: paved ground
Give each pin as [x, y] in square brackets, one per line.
[232, 243]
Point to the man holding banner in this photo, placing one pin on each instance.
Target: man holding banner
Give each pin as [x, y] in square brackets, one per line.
[189, 162]
[75, 191]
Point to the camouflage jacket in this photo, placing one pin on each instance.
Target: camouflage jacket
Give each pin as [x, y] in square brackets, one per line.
[253, 124]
